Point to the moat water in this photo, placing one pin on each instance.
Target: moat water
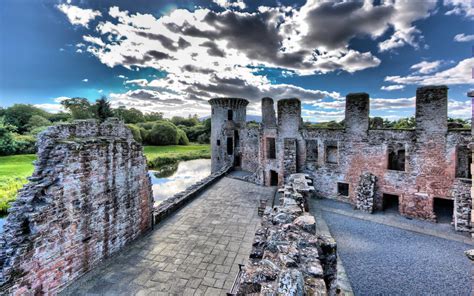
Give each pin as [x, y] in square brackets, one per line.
[172, 179]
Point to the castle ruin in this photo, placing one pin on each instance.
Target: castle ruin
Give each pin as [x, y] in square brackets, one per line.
[414, 170]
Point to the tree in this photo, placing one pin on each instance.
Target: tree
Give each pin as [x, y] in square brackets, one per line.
[80, 108]
[163, 133]
[18, 115]
[182, 138]
[60, 117]
[37, 121]
[131, 115]
[405, 123]
[154, 116]
[7, 142]
[103, 109]
[190, 121]
[135, 132]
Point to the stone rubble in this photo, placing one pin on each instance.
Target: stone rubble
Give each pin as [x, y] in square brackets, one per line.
[288, 257]
[365, 193]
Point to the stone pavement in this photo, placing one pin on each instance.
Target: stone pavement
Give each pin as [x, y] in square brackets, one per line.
[441, 230]
[194, 252]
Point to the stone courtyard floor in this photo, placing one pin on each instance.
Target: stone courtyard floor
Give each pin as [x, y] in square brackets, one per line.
[387, 255]
[194, 252]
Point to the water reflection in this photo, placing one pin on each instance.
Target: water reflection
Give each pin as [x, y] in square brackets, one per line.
[173, 179]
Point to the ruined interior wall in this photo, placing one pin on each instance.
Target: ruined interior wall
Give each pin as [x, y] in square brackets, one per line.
[249, 147]
[89, 195]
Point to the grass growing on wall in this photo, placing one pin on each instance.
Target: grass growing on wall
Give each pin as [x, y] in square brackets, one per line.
[13, 173]
[162, 155]
[16, 168]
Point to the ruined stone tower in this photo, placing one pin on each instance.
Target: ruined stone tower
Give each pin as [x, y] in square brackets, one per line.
[357, 114]
[228, 116]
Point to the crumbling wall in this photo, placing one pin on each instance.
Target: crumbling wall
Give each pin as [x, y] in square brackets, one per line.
[89, 195]
[462, 205]
[365, 193]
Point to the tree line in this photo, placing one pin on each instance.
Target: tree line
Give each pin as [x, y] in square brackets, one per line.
[21, 123]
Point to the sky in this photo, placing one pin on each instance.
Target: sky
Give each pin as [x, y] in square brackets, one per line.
[173, 56]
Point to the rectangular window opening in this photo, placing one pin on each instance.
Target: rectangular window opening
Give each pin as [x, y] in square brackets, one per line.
[218, 142]
[273, 178]
[331, 154]
[230, 146]
[463, 162]
[230, 115]
[271, 148]
[343, 189]
[396, 158]
[312, 151]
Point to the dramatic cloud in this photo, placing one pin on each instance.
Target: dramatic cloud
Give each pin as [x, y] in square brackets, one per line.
[229, 4]
[392, 87]
[426, 67]
[460, 7]
[205, 53]
[459, 74]
[53, 107]
[78, 16]
[406, 13]
[463, 38]
[460, 109]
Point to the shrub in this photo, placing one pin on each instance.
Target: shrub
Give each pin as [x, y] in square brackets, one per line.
[204, 139]
[163, 133]
[145, 135]
[7, 142]
[25, 144]
[182, 138]
[135, 132]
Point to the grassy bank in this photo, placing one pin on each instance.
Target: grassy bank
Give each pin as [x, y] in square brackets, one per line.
[161, 155]
[13, 173]
[15, 169]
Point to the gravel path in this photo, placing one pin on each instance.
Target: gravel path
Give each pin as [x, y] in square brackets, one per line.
[383, 260]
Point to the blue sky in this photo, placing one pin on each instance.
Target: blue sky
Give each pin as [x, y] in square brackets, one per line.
[173, 56]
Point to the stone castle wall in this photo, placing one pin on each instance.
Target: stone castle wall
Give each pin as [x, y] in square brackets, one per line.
[89, 195]
[427, 157]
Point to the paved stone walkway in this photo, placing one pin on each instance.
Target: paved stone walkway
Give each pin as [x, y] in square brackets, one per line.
[194, 252]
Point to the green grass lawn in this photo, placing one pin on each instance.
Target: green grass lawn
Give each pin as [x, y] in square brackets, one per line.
[15, 169]
[13, 173]
[161, 155]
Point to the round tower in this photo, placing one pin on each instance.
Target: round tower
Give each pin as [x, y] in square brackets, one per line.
[228, 115]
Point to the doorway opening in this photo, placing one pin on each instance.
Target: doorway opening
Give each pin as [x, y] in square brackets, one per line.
[273, 178]
[390, 203]
[443, 209]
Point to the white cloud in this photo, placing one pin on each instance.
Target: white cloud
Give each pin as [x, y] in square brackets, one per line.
[406, 13]
[392, 87]
[94, 40]
[459, 74]
[460, 7]
[463, 38]
[85, 80]
[426, 67]
[53, 107]
[460, 109]
[139, 82]
[229, 4]
[78, 16]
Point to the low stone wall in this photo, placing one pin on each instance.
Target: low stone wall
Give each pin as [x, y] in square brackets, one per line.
[177, 201]
[288, 257]
[365, 193]
[89, 195]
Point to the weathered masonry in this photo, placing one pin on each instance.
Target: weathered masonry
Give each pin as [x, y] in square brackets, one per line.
[89, 195]
[420, 172]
